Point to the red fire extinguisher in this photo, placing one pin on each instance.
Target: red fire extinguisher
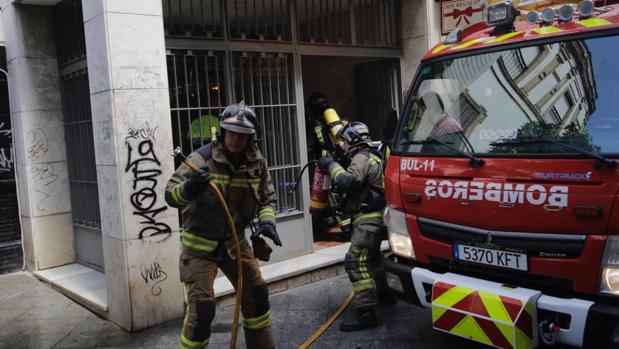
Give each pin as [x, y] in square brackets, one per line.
[319, 198]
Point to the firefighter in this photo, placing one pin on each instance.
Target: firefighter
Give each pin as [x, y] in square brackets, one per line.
[321, 144]
[362, 183]
[236, 166]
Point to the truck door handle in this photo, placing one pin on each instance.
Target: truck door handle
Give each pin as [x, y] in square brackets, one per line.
[412, 197]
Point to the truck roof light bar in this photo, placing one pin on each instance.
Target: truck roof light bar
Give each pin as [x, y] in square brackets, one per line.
[501, 16]
[566, 12]
[585, 9]
[502, 13]
[548, 15]
[533, 17]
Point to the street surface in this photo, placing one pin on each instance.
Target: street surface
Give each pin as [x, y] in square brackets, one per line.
[34, 316]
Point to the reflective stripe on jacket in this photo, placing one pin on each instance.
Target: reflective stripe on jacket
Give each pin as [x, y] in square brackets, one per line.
[247, 189]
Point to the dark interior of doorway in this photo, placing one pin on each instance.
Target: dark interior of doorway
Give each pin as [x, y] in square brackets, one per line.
[359, 89]
[11, 254]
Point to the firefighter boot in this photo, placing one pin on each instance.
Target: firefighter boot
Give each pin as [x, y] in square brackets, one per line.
[366, 318]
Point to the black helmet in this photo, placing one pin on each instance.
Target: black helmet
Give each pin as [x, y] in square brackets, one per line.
[355, 134]
[317, 103]
[239, 118]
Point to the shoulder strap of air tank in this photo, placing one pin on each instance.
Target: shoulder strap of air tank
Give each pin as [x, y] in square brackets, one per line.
[206, 151]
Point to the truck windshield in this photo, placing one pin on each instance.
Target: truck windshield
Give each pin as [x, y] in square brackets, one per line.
[495, 103]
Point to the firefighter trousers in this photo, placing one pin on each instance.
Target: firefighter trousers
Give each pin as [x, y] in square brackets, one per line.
[364, 263]
[199, 274]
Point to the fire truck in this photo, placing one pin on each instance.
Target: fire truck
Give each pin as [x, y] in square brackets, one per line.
[503, 186]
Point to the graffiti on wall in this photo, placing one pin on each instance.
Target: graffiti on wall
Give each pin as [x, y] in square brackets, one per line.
[5, 130]
[144, 166]
[37, 144]
[43, 175]
[154, 274]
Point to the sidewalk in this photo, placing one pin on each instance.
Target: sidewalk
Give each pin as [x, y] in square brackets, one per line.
[33, 315]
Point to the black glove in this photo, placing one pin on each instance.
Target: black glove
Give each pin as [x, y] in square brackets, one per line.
[324, 163]
[267, 229]
[197, 183]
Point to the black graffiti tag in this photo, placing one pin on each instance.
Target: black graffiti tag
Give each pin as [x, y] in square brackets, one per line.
[37, 144]
[153, 273]
[144, 132]
[143, 164]
[43, 176]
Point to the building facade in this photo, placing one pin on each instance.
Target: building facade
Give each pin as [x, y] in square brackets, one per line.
[101, 91]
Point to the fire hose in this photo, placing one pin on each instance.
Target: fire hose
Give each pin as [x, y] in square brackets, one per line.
[344, 305]
[237, 248]
[328, 323]
[239, 282]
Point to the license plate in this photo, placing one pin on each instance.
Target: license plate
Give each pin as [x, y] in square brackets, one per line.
[488, 256]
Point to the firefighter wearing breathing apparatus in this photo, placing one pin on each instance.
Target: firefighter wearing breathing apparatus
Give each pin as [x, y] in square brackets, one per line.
[235, 164]
[326, 123]
[362, 184]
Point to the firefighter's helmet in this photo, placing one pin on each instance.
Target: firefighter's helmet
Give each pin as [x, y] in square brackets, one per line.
[355, 134]
[317, 103]
[239, 118]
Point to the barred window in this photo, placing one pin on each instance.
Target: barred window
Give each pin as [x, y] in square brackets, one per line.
[199, 90]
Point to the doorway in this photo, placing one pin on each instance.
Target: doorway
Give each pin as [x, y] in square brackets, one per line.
[360, 89]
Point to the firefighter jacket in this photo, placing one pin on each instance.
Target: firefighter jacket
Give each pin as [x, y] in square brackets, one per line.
[247, 189]
[363, 184]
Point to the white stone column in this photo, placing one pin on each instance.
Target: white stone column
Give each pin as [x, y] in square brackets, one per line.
[133, 142]
[421, 30]
[38, 135]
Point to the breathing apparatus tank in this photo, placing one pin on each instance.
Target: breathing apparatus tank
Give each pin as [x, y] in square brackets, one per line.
[323, 114]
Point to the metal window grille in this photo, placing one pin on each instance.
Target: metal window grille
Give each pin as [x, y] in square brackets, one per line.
[11, 255]
[80, 149]
[69, 24]
[197, 95]
[75, 93]
[259, 20]
[199, 92]
[349, 22]
[265, 81]
[194, 18]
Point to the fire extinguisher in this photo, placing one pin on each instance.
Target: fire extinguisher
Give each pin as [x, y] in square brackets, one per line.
[319, 198]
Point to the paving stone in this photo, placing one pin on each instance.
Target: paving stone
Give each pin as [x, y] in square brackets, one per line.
[394, 344]
[295, 315]
[164, 336]
[78, 339]
[33, 341]
[280, 301]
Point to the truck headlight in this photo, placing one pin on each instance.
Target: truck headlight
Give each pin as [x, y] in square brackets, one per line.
[609, 282]
[399, 239]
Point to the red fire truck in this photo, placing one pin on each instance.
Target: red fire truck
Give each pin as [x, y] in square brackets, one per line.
[503, 185]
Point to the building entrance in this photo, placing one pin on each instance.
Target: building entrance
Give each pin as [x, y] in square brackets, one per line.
[359, 89]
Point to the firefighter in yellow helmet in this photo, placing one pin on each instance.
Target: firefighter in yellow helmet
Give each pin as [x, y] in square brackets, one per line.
[236, 165]
[362, 184]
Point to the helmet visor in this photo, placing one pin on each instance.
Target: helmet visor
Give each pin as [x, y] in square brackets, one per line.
[238, 128]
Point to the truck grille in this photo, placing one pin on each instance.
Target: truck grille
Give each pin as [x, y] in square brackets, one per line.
[557, 287]
[533, 244]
